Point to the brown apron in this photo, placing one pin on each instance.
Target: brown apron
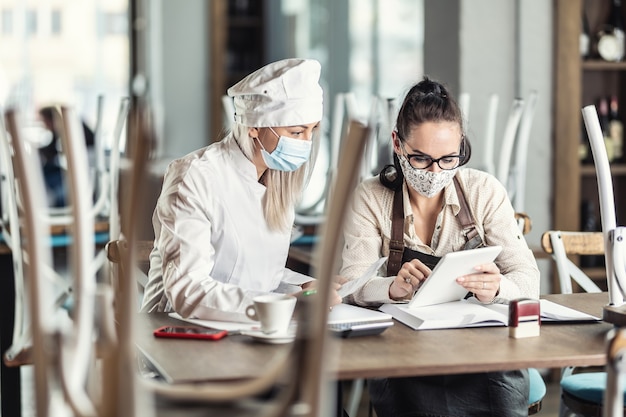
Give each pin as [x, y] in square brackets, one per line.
[485, 394]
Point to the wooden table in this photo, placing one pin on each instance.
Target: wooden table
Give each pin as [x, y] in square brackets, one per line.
[398, 352]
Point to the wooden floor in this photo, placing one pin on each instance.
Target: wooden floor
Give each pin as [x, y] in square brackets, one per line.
[550, 405]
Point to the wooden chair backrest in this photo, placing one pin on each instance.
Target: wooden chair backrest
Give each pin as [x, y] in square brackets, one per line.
[118, 254]
[576, 243]
[560, 245]
[117, 249]
[526, 224]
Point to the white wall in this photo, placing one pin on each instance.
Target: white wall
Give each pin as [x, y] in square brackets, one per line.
[185, 93]
[491, 49]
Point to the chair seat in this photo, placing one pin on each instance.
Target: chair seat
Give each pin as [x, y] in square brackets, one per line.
[537, 391]
[537, 386]
[588, 386]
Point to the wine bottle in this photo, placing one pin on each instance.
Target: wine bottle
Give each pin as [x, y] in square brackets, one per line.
[611, 37]
[584, 39]
[616, 129]
[589, 223]
[604, 124]
[583, 146]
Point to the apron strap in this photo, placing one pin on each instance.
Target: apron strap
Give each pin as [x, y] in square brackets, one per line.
[466, 219]
[396, 244]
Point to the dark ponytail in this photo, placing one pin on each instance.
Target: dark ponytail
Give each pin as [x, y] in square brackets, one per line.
[391, 175]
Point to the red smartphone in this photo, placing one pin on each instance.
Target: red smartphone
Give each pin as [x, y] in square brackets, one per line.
[190, 332]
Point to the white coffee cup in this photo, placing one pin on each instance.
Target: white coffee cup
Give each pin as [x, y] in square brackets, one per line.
[274, 311]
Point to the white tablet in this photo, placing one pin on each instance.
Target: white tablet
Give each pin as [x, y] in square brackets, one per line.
[441, 286]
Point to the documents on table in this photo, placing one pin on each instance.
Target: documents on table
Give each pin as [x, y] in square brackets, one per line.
[353, 285]
[215, 324]
[471, 313]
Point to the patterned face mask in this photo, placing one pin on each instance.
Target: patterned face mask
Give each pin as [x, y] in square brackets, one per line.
[425, 182]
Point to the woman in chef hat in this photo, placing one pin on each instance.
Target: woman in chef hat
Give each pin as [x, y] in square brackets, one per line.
[224, 217]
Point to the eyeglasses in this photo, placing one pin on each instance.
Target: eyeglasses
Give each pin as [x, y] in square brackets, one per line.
[421, 161]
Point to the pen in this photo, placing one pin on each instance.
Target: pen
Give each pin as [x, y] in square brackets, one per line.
[309, 292]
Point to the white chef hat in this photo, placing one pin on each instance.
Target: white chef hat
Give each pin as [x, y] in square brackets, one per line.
[283, 93]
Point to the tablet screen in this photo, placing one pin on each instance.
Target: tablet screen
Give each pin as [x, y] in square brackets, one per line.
[441, 287]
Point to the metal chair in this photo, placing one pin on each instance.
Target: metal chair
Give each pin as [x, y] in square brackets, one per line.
[513, 146]
[503, 165]
[487, 159]
[517, 175]
[63, 352]
[605, 395]
[581, 393]
[19, 352]
[561, 244]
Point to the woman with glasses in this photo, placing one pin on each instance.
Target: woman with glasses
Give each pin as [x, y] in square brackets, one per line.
[423, 206]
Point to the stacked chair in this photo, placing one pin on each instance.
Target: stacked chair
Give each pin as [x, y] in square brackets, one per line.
[607, 392]
[62, 352]
[487, 163]
[105, 176]
[306, 384]
[510, 166]
[54, 312]
[86, 365]
[581, 389]
[379, 118]
[583, 392]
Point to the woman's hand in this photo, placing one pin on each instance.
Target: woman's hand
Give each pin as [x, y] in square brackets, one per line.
[408, 280]
[310, 288]
[485, 283]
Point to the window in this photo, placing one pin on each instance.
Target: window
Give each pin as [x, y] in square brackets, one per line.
[69, 61]
[31, 22]
[7, 22]
[55, 22]
[371, 48]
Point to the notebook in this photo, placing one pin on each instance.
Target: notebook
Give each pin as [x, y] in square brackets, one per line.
[471, 313]
[347, 320]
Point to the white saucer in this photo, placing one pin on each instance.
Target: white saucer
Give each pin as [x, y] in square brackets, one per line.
[273, 338]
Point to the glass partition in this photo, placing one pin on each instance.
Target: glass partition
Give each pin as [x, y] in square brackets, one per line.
[64, 52]
[369, 48]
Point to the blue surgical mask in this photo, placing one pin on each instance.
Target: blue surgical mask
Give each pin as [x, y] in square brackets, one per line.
[289, 154]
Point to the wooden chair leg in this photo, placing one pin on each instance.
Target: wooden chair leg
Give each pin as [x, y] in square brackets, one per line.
[534, 408]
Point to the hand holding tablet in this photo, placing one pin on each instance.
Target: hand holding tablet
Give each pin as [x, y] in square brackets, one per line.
[441, 285]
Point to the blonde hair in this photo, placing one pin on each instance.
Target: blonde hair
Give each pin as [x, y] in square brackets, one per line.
[284, 189]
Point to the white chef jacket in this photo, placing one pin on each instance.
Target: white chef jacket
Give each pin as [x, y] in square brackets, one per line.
[213, 251]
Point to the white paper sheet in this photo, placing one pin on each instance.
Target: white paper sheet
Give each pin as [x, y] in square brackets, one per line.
[353, 285]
